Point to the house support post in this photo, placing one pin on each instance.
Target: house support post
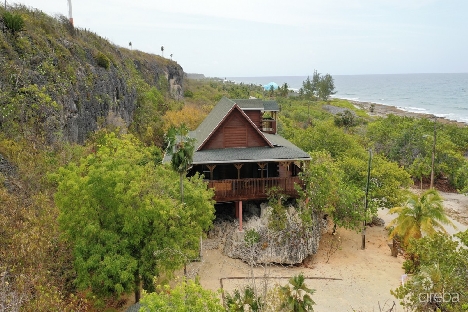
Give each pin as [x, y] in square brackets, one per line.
[238, 167]
[239, 214]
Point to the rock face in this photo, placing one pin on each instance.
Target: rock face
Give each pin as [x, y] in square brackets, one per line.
[109, 99]
[288, 246]
[65, 83]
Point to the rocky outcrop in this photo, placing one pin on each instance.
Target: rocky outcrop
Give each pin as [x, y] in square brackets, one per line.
[289, 246]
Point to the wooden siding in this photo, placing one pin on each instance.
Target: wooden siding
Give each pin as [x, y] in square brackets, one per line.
[284, 170]
[251, 189]
[235, 136]
[230, 134]
[255, 116]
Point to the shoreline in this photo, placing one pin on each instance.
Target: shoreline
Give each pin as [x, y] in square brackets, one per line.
[382, 110]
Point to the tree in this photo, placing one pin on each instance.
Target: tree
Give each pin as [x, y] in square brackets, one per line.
[340, 181]
[238, 301]
[283, 90]
[345, 119]
[297, 296]
[271, 91]
[120, 212]
[181, 148]
[326, 191]
[420, 168]
[186, 296]
[325, 87]
[439, 280]
[147, 122]
[310, 87]
[190, 115]
[162, 50]
[421, 214]
[388, 183]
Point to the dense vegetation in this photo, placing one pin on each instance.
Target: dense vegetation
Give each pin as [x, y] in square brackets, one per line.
[54, 254]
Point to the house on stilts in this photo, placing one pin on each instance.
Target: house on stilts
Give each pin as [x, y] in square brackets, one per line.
[240, 154]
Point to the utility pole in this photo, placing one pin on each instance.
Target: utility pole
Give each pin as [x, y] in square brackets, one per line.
[366, 201]
[4, 22]
[70, 13]
[433, 153]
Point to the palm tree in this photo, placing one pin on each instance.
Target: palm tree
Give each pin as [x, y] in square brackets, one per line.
[181, 148]
[297, 296]
[420, 214]
[238, 301]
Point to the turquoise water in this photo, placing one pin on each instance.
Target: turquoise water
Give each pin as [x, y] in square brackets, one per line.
[444, 95]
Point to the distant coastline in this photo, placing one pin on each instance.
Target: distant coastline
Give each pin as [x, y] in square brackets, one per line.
[382, 110]
[442, 95]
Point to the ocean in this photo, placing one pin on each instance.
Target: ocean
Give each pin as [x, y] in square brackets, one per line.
[443, 95]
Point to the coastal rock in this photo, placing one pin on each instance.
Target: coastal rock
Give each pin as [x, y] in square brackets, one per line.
[335, 110]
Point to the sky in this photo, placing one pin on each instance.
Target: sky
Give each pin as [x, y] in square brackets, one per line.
[252, 38]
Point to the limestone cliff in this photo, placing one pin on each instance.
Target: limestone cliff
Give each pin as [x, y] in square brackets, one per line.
[62, 83]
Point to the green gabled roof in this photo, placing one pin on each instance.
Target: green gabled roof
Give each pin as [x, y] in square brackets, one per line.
[209, 124]
[278, 140]
[262, 105]
[251, 154]
[280, 149]
[217, 115]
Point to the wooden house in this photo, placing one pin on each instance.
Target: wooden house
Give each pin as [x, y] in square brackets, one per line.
[240, 154]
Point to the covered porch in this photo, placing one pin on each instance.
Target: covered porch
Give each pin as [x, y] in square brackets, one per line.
[252, 189]
[250, 180]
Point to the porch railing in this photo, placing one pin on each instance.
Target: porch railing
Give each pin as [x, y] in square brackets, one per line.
[250, 189]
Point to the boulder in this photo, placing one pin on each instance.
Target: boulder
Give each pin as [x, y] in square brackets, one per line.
[288, 246]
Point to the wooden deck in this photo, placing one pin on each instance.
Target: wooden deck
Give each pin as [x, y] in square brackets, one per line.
[250, 189]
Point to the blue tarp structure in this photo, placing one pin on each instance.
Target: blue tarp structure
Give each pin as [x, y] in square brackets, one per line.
[267, 87]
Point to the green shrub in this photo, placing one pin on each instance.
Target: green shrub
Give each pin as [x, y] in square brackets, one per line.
[102, 60]
[345, 119]
[188, 93]
[13, 22]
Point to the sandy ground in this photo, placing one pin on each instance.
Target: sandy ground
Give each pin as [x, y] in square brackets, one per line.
[346, 278]
[358, 279]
